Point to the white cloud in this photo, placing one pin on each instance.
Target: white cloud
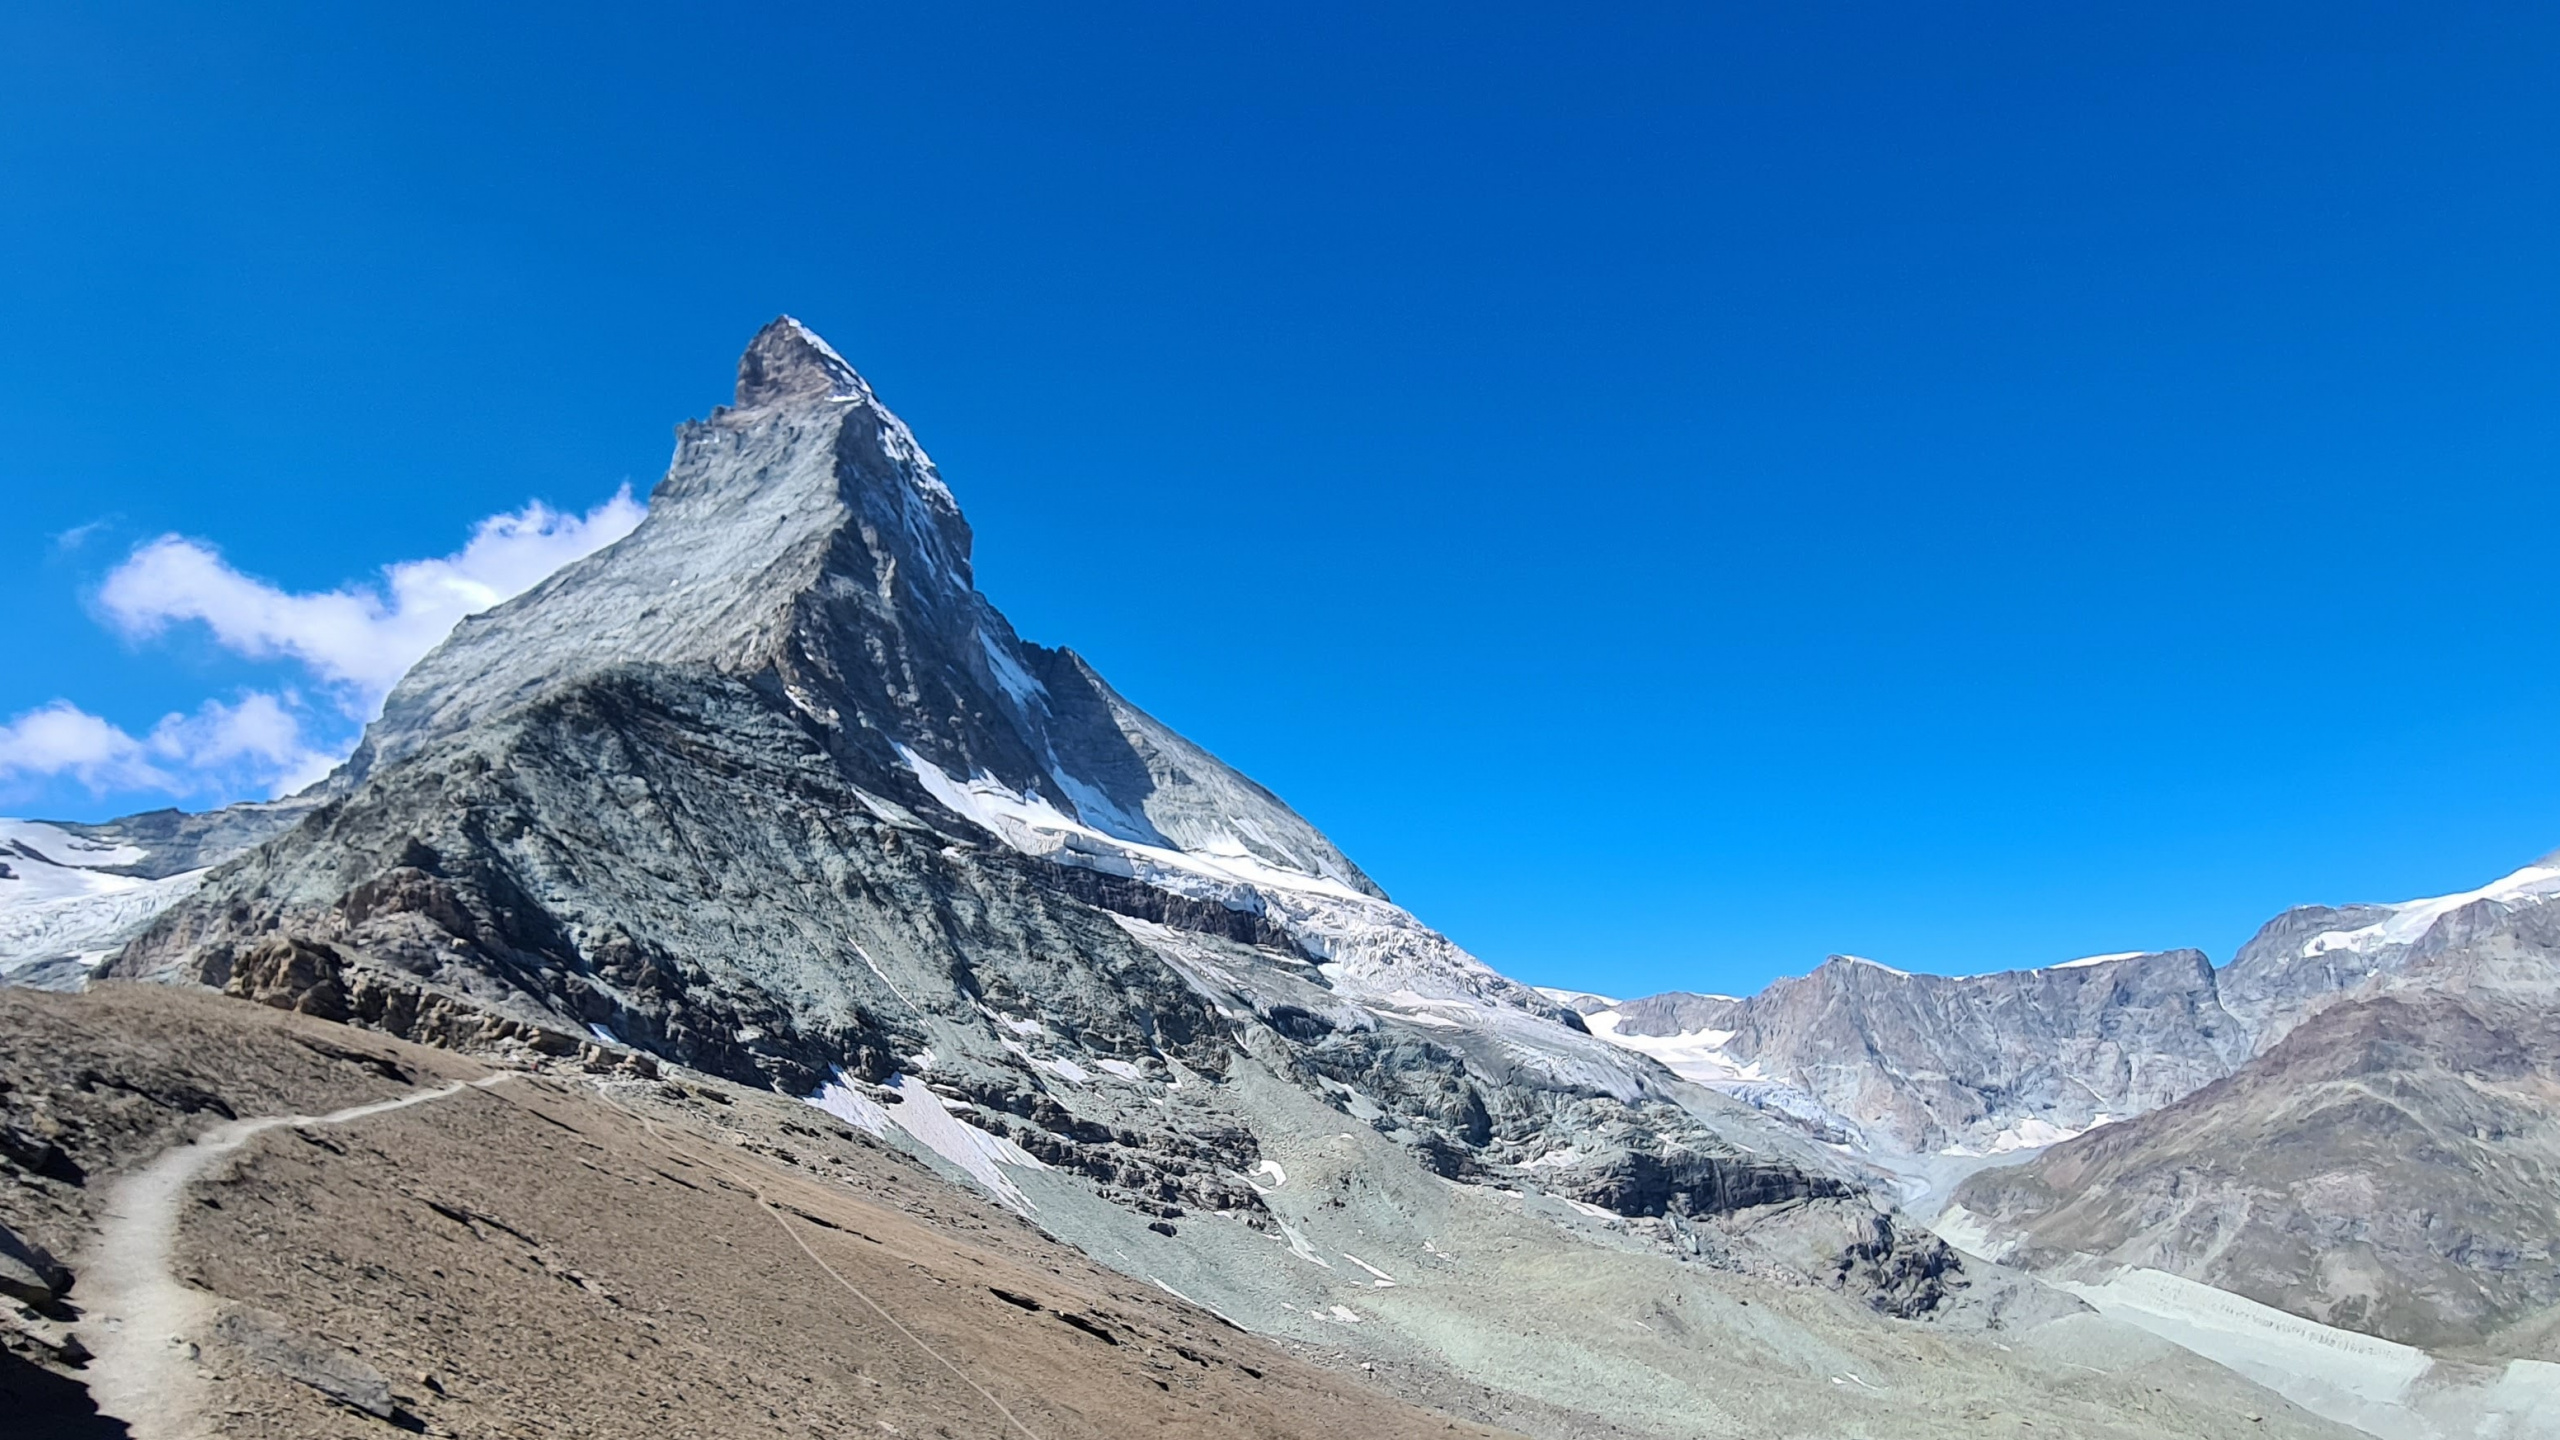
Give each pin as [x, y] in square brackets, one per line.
[63, 739]
[256, 744]
[78, 535]
[258, 741]
[358, 639]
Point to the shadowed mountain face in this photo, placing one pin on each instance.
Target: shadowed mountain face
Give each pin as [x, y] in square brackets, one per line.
[769, 789]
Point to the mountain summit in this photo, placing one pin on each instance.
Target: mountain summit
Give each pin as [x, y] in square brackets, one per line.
[802, 540]
[787, 361]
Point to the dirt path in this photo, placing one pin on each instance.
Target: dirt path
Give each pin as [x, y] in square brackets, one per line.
[139, 1321]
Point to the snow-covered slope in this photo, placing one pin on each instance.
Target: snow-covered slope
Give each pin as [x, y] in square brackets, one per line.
[68, 899]
[71, 893]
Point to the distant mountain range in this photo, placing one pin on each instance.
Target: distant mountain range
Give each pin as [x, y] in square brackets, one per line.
[1905, 1067]
[2357, 1122]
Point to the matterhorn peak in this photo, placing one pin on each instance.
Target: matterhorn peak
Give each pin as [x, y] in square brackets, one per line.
[788, 361]
[802, 542]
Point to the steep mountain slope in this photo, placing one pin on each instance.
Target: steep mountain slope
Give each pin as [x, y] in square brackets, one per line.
[803, 538]
[769, 788]
[2391, 1165]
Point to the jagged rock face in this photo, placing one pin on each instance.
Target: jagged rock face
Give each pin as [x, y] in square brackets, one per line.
[1674, 1012]
[1914, 1064]
[2392, 1165]
[2272, 982]
[767, 788]
[162, 844]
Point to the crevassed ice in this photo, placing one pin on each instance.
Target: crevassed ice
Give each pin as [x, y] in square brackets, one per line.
[55, 902]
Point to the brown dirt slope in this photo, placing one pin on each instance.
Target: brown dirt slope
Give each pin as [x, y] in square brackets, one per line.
[567, 1256]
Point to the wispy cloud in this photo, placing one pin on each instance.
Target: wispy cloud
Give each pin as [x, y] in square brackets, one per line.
[79, 535]
[255, 744]
[358, 639]
[63, 739]
[353, 642]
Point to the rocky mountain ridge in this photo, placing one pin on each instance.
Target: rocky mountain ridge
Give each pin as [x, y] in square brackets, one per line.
[769, 791]
[2387, 1165]
[1906, 1067]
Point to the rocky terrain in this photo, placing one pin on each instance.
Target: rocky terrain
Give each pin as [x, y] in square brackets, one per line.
[71, 894]
[1913, 1065]
[2387, 1168]
[2310, 957]
[769, 789]
[526, 1245]
[559, 1255]
[2330, 1164]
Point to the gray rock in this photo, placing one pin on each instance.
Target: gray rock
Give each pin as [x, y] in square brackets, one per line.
[1904, 1066]
[1913, 1064]
[28, 1272]
[269, 1344]
[175, 841]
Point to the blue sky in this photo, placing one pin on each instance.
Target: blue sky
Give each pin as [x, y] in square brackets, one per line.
[1675, 493]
